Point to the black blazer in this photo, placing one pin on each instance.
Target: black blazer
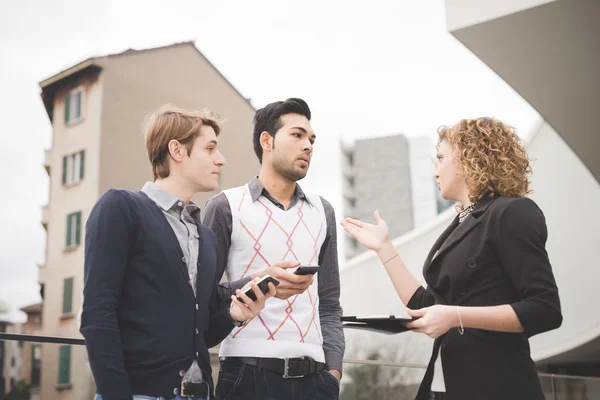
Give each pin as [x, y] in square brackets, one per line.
[495, 256]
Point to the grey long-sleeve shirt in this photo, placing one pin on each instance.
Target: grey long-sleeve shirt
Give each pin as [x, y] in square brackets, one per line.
[217, 216]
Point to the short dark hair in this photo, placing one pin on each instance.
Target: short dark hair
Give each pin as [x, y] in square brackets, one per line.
[267, 119]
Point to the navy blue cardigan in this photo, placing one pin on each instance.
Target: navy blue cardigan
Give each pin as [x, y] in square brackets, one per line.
[141, 322]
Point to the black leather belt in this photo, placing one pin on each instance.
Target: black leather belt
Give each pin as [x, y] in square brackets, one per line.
[287, 367]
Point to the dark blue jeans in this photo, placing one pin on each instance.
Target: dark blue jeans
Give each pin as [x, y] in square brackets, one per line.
[239, 381]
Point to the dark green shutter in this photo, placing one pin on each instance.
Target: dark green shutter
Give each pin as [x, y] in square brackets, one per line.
[35, 366]
[64, 365]
[67, 108]
[81, 168]
[69, 230]
[68, 296]
[78, 111]
[78, 228]
[65, 162]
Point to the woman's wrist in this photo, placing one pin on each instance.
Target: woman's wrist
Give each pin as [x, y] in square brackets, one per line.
[386, 251]
[456, 318]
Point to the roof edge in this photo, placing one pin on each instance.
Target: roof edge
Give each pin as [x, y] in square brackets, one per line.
[68, 72]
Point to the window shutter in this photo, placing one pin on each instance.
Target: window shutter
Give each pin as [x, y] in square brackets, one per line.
[78, 228]
[68, 296]
[78, 105]
[64, 366]
[64, 179]
[67, 108]
[69, 230]
[35, 365]
[81, 167]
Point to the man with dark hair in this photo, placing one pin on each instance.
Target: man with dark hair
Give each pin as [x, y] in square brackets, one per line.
[294, 347]
[268, 120]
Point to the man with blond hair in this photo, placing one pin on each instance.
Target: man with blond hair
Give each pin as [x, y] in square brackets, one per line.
[151, 308]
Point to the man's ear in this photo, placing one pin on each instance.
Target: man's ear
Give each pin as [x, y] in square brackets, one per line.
[267, 142]
[177, 151]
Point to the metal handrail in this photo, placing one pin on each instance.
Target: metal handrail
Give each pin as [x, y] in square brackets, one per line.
[560, 376]
[215, 351]
[384, 363]
[40, 339]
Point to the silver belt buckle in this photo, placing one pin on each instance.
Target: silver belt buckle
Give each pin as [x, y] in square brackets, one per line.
[184, 394]
[286, 368]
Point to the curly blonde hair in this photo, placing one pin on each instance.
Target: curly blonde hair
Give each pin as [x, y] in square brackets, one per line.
[490, 155]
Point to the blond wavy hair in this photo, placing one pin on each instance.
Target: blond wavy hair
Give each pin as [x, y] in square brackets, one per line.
[491, 157]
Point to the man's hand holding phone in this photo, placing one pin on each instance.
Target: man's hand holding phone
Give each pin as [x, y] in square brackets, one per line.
[289, 283]
[249, 308]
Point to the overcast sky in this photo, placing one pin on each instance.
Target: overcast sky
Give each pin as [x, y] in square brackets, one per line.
[365, 68]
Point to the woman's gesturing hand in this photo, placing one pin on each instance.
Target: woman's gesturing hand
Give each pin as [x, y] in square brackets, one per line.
[369, 235]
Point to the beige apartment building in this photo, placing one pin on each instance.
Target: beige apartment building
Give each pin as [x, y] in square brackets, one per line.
[97, 109]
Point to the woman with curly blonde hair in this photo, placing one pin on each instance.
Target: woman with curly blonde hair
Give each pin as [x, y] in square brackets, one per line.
[490, 286]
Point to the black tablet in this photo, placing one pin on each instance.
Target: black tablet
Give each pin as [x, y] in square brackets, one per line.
[383, 324]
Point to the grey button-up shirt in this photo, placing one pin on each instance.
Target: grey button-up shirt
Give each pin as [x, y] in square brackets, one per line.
[217, 216]
[183, 219]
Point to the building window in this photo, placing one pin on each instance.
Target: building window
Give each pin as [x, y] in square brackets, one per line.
[36, 365]
[12, 361]
[73, 230]
[73, 106]
[68, 296]
[64, 365]
[350, 159]
[73, 168]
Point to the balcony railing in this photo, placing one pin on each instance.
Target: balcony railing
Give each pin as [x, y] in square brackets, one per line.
[363, 378]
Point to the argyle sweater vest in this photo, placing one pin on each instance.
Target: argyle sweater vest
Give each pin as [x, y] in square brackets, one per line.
[262, 235]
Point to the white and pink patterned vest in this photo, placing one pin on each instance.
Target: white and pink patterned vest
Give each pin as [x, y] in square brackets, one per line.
[262, 235]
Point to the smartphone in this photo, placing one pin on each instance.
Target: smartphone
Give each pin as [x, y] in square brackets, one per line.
[263, 285]
[307, 270]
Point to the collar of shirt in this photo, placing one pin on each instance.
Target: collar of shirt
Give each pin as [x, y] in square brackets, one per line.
[167, 201]
[257, 190]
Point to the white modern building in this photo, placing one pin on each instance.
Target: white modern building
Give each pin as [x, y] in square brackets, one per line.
[392, 174]
[549, 52]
